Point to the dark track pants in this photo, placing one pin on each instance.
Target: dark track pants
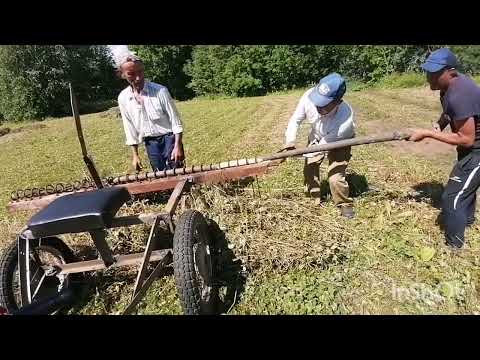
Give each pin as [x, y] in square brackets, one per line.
[459, 198]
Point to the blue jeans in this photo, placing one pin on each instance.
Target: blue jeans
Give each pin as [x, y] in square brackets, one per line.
[159, 150]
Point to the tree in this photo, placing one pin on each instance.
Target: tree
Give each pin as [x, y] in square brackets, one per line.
[164, 65]
[34, 79]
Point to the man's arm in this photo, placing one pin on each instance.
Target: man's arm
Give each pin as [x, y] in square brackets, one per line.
[136, 162]
[177, 126]
[295, 120]
[465, 136]
[131, 135]
[177, 152]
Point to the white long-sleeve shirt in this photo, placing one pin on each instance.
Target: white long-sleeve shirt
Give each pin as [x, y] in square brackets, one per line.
[332, 127]
[157, 116]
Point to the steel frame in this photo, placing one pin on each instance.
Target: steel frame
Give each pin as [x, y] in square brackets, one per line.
[106, 258]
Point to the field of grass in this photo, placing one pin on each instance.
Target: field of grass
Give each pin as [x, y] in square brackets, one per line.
[299, 257]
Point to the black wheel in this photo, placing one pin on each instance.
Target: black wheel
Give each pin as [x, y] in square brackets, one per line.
[192, 265]
[44, 255]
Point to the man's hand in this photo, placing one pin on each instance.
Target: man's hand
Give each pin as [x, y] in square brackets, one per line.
[418, 135]
[177, 154]
[136, 163]
[464, 135]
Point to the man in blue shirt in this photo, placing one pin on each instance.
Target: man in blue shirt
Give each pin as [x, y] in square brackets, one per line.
[460, 99]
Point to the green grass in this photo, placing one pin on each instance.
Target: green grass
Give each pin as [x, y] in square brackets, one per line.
[300, 258]
[404, 80]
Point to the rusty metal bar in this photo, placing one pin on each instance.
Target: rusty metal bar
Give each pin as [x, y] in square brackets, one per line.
[99, 239]
[120, 261]
[175, 197]
[133, 220]
[146, 257]
[183, 171]
[33, 199]
[156, 273]
[208, 177]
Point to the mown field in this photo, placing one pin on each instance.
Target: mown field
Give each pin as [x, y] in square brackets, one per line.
[299, 257]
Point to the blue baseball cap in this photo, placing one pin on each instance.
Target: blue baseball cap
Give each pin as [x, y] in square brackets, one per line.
[331, 87]
[440, 59]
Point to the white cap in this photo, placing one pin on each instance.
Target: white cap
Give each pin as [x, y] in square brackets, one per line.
[121, 54]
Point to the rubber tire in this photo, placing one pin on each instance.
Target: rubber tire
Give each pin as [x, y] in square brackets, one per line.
[187, 284]
[9, 260]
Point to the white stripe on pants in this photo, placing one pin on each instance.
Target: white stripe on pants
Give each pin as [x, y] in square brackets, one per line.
[467, 183]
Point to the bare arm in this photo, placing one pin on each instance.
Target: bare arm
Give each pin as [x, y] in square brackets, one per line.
[136, 163]
[295, 120]
[465, 136]
[177, 126]
[131, 135]
[178, 153]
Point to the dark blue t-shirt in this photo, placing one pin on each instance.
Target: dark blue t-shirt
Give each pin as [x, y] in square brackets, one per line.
[461, 101]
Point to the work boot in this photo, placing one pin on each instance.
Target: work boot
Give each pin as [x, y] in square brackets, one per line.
[347, 211]
[315, 195]
[455, 250]
[313, 192]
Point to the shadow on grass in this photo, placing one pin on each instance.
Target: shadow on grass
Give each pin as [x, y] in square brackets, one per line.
[358, 185]
[430, 191]
[228, 270]
[229, 277]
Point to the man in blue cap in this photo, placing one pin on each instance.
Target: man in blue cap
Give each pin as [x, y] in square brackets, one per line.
[331, 119]
[460, 99]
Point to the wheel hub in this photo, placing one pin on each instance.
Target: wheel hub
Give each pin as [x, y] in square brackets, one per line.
[203, 263]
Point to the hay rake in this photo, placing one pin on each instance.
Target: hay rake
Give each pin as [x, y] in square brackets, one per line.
[39, 274]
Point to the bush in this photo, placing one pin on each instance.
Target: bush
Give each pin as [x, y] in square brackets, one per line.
[255, 70]
[405, 80]
[34, 79]
[468, 57]
[164, 65]
[246, 70]
[206, 69]
[371, 63]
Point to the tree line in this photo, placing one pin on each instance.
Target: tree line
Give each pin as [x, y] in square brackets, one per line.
[34, 78]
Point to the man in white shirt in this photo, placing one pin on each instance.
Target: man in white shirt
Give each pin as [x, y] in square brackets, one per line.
[331, 119]
[149, 115]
